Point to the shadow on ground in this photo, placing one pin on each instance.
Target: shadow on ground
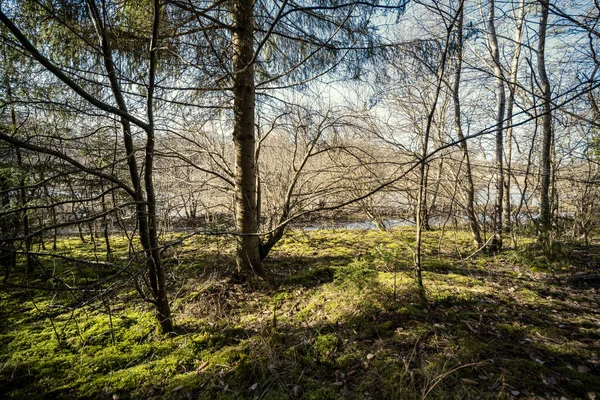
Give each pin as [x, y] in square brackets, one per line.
[326, 323]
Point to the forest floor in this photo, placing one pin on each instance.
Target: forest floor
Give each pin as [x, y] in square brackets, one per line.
[338, 316]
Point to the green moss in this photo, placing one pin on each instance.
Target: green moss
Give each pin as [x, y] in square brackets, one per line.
[349, 324]
[359, 273]
[311, 277]
[323, 392]
[324, 346]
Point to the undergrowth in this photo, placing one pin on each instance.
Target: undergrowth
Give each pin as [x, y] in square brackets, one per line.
[338, 316]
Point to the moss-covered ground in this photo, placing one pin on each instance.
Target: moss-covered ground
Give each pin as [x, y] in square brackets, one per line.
[338, 316]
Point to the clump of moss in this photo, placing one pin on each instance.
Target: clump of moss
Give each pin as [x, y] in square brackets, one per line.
[359, 273]
[311, 277]
[324, 346]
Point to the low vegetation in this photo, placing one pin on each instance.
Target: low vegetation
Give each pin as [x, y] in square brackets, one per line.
[338, 316]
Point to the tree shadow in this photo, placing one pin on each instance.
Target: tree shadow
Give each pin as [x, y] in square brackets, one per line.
[383, 346]
[326, 326]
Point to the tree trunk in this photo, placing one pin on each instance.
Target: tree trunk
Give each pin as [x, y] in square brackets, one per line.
[469, 186]
[106, 230]
[7, 253]
[509, 114]
[247, 256]
[274, 237]
[419, 233]
[496, 243]
[145, 205]
[423, 165]
[423, 203]
[22, 191]
[157, 270]
[545, 209]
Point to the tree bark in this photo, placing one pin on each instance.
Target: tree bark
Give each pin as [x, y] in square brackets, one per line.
[7, 251]
[23, 203]
[545, 210]
[512, 87]
[157, 269]
[423, 203]
[469, 186]
[247, 257]
[22, 191]
[145, 204]
[423, 164]
[496, 242]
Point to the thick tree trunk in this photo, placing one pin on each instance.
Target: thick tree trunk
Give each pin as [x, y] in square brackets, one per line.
[496, 243]
[247, 257]
[545, 209]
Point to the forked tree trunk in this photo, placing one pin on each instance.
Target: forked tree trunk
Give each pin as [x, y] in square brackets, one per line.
[145, 206]
[275, 236]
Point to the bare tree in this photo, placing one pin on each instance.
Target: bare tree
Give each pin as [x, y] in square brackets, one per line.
[496, 243]
[547, 136]
[512, 87]
[141, 187]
